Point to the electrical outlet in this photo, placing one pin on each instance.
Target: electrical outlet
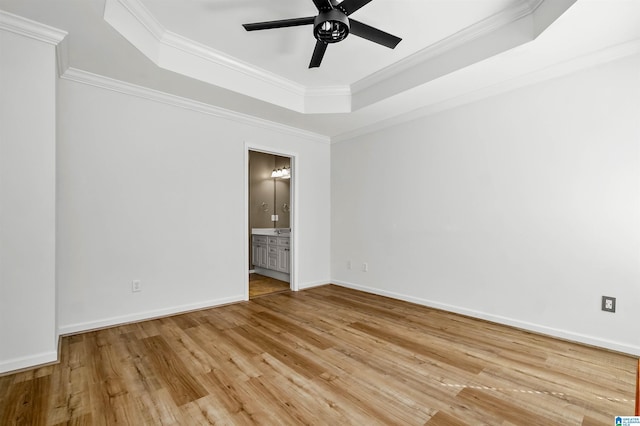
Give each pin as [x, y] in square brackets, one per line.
[608, 304]
[136, 286]
[348, 264]
[365, 267]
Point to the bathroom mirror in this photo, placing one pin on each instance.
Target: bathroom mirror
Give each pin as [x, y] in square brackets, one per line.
[269, 190]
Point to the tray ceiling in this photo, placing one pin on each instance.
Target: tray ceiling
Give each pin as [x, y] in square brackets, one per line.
[205, 40]
[452, 52]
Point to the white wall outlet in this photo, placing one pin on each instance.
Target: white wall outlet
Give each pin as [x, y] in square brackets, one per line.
[365, 267]
[136, 286]
[349, 264]
[608, 304]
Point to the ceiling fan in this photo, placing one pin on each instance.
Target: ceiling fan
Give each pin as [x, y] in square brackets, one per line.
[331, 25]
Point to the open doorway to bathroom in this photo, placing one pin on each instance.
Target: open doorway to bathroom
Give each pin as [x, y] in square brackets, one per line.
[269, 216]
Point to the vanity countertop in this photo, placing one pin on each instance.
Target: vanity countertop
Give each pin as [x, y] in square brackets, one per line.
[284, 232]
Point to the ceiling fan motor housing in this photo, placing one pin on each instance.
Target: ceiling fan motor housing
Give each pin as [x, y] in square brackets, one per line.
[331, 26]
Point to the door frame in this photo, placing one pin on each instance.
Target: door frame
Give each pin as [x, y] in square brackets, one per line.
[293, 218]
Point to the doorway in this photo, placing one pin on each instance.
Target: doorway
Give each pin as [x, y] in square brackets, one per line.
[269, 223]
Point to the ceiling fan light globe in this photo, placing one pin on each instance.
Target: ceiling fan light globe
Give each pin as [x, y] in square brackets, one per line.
[331, 26]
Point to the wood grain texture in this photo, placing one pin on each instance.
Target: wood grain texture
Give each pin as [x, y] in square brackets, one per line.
[638, 391]
[327, 355]
[259, 285]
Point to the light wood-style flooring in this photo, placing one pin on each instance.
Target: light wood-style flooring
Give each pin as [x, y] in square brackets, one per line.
[259, 285]
[327, 355]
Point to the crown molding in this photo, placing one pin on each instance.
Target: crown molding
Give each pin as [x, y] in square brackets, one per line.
[561, 69]
[222, 59]
[140, 12]
[466, 35]
[41, 32]
[169, 38]
[32, 29]
[493, 36]
[185, 56]
[91, 79]
[170, 48]
[62, 56]
[327, 91]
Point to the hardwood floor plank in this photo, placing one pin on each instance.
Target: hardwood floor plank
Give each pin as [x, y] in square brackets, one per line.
[394, 396]
[448, 357]
[590, 421]
[305, 366]
[71, 399]
[222, 390]
[196, 360]
[443, 419]
[637, 410]
[83, 420]
[27, 402]
[204, 412]
[327, 355]
[260, 285]
[174, 375]
[223, 353]
[493, 407]
[141, 374]
[183, 322]
[314, 339]
[158, 408]
[240, 401]
[306, 395]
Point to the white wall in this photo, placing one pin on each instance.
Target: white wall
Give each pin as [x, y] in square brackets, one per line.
[27, 202]
[523, 208]
[155, 192]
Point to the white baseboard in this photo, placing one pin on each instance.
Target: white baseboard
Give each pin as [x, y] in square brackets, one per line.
[305, 286]
[553, 332]
[28, 361]
[147, 315]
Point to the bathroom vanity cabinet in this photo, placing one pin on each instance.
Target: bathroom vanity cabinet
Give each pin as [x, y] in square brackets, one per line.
[271, 253]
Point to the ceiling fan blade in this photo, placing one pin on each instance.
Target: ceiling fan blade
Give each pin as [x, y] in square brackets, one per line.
[373, 34]
[267, 25]
[318, 54]
[323, 5]
[350, 6]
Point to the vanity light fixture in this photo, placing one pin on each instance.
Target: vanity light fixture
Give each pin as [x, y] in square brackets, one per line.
[283, 173]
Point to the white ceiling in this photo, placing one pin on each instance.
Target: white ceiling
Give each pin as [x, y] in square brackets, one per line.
[287, 51]
[452, 52]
